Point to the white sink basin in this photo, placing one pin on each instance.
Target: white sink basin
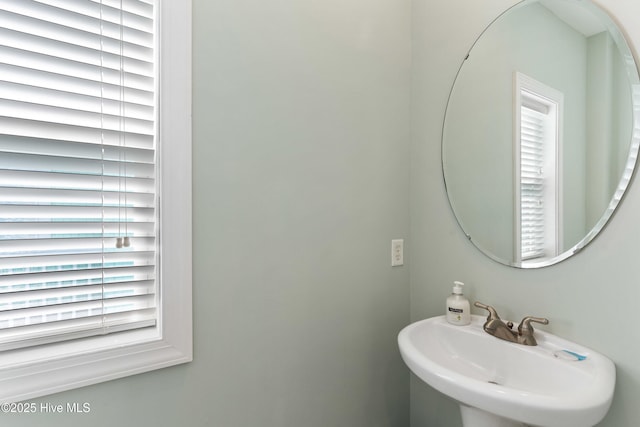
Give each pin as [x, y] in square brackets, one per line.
[538, 385]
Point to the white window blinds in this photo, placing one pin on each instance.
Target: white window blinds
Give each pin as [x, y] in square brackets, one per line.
[77, 169]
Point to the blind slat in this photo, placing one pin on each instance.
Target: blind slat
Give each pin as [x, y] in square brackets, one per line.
[44, 333]
[75, 165]
[83, 261]
[15, 178]
[67, 283]
[32, 128]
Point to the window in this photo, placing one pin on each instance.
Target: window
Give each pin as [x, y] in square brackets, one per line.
[538, 143]
[94, 96]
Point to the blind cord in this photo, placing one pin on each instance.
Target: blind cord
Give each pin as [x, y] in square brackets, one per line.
[122, 157]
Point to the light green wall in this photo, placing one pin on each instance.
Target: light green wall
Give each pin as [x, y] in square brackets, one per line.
[301, 139]
[609, 123]
[590, 298]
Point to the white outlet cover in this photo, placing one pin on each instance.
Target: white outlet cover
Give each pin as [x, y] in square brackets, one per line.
[397, 252]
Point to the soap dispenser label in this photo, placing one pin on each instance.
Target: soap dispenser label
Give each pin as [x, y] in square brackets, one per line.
[455, 310]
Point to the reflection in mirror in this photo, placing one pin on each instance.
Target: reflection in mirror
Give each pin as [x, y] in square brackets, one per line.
[541, 131]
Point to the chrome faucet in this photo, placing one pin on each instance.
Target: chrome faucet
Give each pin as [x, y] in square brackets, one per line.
[499, 329]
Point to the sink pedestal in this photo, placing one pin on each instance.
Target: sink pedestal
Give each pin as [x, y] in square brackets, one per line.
[474, 417]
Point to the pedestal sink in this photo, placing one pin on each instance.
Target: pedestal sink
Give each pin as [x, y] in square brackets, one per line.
[502, 384]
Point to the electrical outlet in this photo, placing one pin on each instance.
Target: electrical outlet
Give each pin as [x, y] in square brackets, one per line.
[397, 252]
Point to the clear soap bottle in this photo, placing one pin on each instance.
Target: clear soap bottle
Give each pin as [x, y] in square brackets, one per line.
[458, 308]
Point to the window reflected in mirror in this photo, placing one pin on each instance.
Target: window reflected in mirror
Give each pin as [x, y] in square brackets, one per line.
[538, 112]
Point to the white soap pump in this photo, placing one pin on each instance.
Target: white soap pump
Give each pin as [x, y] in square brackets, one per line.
[458, 308]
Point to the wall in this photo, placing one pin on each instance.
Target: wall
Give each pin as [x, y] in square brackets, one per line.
[590, 298]
[609, 122]
[301, 139]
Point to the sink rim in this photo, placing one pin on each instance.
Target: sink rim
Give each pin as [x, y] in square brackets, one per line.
[587, 407]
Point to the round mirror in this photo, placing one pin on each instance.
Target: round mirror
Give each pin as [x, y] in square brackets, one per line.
[541, 131]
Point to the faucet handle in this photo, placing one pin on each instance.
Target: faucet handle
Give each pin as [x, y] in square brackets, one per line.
[525, 324]
[525, 330]
[493, 314]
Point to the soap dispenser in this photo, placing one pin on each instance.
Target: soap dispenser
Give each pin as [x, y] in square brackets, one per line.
[458, 308]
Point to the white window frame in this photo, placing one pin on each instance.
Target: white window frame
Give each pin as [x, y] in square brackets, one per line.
[527, 89]
[41, 370]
